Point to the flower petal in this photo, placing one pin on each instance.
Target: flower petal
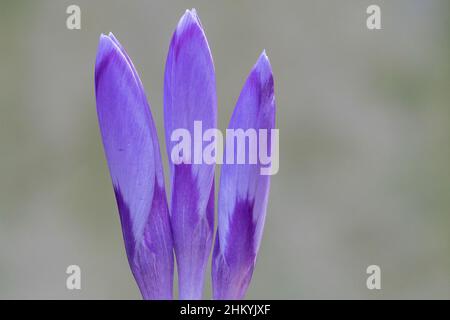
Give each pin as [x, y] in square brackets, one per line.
[190, 95]
[132, 151]
[244, 191]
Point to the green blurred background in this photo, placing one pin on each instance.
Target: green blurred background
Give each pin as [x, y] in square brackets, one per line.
[364, 142]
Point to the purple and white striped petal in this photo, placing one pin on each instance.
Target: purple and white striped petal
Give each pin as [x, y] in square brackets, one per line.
[132, 151]
[244, 191]
[190, 96]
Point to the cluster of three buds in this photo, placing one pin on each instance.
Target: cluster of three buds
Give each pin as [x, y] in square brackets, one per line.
[151, 232]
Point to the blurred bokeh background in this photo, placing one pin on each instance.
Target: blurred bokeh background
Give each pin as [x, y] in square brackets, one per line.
[364, 142]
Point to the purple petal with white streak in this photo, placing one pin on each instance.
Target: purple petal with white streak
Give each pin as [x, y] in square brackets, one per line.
[132, 151]
[190, 95]
[243, 193]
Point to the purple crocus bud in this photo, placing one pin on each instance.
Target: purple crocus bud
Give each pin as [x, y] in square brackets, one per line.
[132, 151]
[190, 104]
[244, 191]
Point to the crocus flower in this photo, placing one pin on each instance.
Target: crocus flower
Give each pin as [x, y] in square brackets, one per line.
[243, 192]
[130, 140]
[190, 95]
[132, 152]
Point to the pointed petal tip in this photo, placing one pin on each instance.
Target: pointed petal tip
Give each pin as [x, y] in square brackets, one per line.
[104, 51]
[192, 13]
[108, 37]
[113, 38]
[105, 41]
[264, 54]
[189, 29]
[262, 77]
[263, 64]
[106, 47]
[103, 37]
[189, 18]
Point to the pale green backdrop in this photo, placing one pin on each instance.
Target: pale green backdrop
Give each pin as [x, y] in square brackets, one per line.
[364, 127]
